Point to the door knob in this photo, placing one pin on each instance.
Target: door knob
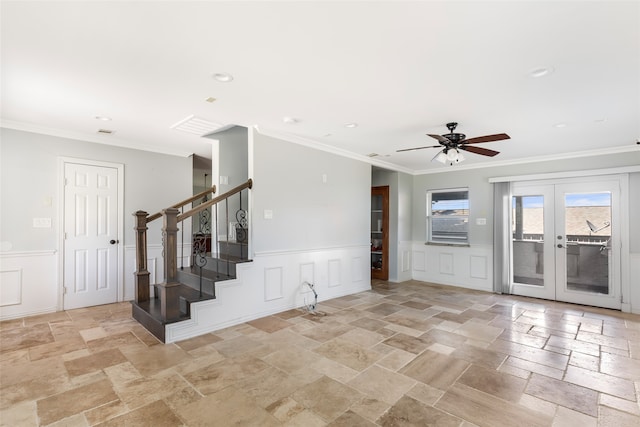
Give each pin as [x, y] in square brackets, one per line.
[560, 246]
[113, 242]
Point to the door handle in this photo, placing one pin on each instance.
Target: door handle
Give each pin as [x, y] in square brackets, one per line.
[113, 242]
[560, 245]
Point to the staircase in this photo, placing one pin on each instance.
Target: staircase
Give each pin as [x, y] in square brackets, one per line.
[214, 259]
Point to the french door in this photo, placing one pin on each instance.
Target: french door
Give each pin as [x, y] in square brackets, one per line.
[565, 242]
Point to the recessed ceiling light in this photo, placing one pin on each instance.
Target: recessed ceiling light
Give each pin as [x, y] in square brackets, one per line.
[540, 72]
[290, 120]
[210, 99]
[223, 77]
[103, 118]
[351, 125]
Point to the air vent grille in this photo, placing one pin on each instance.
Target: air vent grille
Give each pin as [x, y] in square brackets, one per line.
[105, 131]
[196, 126]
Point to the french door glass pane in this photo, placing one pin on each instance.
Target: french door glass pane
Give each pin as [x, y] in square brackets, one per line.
[588, 231]
[527, 231]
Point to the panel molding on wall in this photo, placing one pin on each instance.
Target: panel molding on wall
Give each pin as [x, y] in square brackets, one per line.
[464, 266]
[10, 287]
[307, 274]
[272, 283]
[356, 269]
[334, 273]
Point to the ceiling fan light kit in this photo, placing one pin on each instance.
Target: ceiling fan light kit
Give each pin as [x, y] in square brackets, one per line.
[454, 142]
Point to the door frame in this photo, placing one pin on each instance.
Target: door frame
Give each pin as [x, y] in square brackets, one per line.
[62, 162]
[623, 181]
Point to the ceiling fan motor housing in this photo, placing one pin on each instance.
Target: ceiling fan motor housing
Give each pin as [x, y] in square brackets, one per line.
[455, 138]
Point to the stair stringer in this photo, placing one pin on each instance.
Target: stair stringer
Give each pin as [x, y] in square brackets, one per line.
[274, 282]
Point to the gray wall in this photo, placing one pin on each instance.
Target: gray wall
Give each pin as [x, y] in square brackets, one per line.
[307, 213]
[481, 191]
[29, 185]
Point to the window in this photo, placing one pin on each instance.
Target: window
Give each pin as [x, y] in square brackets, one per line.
[448, 216]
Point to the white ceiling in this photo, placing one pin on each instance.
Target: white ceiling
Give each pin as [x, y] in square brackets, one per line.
[399, 70]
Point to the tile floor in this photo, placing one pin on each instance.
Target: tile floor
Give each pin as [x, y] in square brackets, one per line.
[400, 354]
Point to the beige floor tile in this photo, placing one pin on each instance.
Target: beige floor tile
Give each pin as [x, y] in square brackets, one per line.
[490, 381]
[351, 419]
[435, 369]
[609, 417]
[74, 401]
[155, 413]
[348, 353]
[572, 396]
[213, 378]
[369, 408]
[567, 418]
[410, 412]
[335, 398]
[601, 382]
[486, 410]
[382, 384]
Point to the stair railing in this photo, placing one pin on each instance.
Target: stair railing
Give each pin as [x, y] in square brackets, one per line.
[168, 290]
[142, 274]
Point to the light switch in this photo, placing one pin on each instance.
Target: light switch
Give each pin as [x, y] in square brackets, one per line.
[224, 180]
[268, 214]
[481, 221]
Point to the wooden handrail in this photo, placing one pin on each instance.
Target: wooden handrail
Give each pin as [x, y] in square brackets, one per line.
[184, 202]
[215, 200]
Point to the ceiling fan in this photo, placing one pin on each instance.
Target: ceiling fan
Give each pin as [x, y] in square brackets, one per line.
[451, 144]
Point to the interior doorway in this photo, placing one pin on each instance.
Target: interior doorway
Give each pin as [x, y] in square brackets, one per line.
[91, 233]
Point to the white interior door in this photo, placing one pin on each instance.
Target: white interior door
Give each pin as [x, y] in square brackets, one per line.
[90, 235]
[565, 242]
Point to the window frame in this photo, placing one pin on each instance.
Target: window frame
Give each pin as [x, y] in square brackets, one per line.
[452, 240]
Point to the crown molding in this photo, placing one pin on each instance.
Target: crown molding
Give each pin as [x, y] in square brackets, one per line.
[97, 139]
[537, 159]
[295, 139]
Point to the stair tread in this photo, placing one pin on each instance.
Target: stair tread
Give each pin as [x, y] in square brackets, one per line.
[206, 273]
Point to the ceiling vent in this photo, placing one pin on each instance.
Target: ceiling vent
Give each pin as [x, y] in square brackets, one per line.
[196, 126]
[373, 155]
[105, 131]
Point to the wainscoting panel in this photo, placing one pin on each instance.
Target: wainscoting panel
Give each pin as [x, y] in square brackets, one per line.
[478, 268]
[419, 257]
[334, 273]
[356, 269]
[272, 283]
[307, 274]
[28, 283]
[446, 263]
[464, 266]
[10, 287]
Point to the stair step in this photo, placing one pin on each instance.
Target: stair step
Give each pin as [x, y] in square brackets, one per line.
[235, 249]
[148, 313]
[190, 276]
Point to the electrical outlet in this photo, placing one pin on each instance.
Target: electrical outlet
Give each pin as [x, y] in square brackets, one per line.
[41, 222]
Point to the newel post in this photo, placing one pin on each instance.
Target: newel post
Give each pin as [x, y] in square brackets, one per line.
[141, 274]
[169, 303]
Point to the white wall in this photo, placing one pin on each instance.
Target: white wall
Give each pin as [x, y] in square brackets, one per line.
[29, 189]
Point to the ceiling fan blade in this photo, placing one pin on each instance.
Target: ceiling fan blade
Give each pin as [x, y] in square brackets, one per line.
[486, 138]
[440, 138]
[419, 148]
[478, 150]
